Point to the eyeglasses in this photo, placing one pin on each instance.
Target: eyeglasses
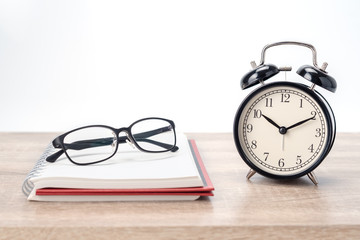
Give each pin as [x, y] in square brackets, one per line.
[97, 143]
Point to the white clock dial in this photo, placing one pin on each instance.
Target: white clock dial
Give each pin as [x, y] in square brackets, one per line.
[283, 130]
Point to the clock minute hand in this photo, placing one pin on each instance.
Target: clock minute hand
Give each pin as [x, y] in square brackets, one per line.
[271, 121]
[301, 122]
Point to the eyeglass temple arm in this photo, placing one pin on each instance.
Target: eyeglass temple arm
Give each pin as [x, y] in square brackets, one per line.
[79, 145]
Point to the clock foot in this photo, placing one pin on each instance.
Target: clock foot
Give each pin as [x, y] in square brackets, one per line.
[250, 174]
[312, 177]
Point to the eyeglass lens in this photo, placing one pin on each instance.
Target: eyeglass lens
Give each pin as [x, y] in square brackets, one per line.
[154, 135]
[90, 144]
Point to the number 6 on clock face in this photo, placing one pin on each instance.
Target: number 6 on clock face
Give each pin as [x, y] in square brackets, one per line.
[284, 130]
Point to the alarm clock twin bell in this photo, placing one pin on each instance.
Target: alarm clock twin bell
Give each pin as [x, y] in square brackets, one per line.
[284, 130]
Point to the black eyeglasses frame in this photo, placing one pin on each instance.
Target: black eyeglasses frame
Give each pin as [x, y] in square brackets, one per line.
[58, 142]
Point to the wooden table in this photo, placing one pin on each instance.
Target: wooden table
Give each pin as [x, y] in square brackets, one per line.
[258, 209]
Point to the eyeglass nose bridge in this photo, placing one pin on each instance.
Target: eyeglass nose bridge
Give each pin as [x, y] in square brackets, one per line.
[127, 137]
[129, 141]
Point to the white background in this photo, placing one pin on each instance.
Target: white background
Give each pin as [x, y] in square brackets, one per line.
[65, 64]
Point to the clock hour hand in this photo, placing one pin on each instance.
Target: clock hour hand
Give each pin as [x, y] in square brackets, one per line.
[271, 121]
[301, 122]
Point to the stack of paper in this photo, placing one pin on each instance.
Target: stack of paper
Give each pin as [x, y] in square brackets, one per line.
[130, 175]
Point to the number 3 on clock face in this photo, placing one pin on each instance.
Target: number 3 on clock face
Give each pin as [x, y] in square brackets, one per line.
[284, 130]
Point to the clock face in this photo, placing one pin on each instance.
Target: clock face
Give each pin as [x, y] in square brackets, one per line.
[283, 130]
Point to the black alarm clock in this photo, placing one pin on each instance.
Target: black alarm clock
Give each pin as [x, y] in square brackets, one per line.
[284, 129]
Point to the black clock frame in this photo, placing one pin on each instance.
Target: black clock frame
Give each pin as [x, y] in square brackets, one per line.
[328, 115]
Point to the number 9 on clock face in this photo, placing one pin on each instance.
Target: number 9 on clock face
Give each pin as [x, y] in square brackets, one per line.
[284, 130]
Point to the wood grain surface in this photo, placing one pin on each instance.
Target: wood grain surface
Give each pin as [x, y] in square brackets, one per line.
[258, 209]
